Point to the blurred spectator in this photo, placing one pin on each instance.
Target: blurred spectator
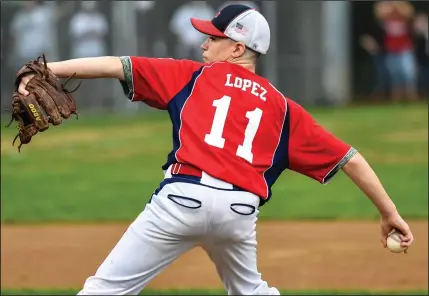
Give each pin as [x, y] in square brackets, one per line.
[248, 3]
[88, 28]
[145, 5]
[33, 32]
[422, 56]
[189, 39]
[143, 10]
[395, 19]
[370, 44]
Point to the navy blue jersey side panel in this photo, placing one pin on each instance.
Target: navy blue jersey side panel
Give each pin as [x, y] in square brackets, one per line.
[281, 156]
[175, 107]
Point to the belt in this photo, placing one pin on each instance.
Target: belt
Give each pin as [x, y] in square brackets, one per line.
[186, 169]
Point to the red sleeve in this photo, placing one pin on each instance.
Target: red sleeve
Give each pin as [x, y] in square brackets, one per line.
[313, 151]
[156, 81]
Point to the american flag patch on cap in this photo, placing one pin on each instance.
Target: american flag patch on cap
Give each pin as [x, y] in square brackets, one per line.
[239, 28]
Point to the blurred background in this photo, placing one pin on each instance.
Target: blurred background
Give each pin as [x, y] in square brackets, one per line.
[322, 53]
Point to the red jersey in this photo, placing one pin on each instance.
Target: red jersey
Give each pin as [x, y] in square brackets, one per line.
[233, 124]
[397, 34]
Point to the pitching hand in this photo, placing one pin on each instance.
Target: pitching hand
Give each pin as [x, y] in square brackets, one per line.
[392, 222]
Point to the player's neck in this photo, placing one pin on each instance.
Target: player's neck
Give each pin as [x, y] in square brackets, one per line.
[245, 63]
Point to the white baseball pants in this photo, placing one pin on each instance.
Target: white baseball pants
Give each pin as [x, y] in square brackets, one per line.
[181, 216]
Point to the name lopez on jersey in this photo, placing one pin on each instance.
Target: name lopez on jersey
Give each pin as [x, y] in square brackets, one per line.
[246, 84]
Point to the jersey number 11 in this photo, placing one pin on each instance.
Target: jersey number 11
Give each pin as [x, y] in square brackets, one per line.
[215, 137]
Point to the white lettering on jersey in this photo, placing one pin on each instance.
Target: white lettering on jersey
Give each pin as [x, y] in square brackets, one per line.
[238, 83]
[228, 82]
[245, 85]
[262, 95]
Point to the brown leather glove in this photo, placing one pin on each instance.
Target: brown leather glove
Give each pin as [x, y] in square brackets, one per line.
[48, 101]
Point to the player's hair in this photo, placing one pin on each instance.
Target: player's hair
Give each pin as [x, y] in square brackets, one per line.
[251, 54]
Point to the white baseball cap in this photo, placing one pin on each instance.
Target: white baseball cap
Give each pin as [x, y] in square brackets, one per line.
[240, 23]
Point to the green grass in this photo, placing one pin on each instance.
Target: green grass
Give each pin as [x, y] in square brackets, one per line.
[105, 168]
[218, 292]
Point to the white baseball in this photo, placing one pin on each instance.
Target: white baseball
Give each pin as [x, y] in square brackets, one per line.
[394, 242]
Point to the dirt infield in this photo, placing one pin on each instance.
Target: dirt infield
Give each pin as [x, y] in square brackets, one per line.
[292, 255]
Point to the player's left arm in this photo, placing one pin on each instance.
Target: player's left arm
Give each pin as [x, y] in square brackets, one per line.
[151, 80]
[89, 68]
[156, 81]
[84, 68]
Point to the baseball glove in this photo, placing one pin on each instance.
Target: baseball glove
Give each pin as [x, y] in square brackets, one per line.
[48, 101]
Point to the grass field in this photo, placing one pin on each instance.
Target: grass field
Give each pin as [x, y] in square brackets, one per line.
[105, 168]
[218, 292]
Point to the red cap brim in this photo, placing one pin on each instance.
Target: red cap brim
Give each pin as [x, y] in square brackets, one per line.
[206, 27]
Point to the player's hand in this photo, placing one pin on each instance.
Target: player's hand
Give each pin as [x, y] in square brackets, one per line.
[395, 222]
[23, 84]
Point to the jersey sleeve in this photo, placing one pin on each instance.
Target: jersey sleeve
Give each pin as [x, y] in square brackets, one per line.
[155, 81]
[313, 151]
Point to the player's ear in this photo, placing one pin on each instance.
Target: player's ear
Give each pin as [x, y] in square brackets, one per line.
[239, 49]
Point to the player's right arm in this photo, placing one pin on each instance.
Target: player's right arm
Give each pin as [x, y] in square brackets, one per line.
[318, 154]
[361, 173]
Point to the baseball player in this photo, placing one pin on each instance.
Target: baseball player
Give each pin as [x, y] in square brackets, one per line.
[234, 133]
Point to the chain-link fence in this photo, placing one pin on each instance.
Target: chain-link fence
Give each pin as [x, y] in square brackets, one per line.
[316, 53]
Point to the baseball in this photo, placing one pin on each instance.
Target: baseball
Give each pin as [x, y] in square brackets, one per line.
[394, 242]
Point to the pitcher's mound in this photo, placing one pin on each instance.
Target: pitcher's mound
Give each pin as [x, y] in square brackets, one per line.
[292, 255]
